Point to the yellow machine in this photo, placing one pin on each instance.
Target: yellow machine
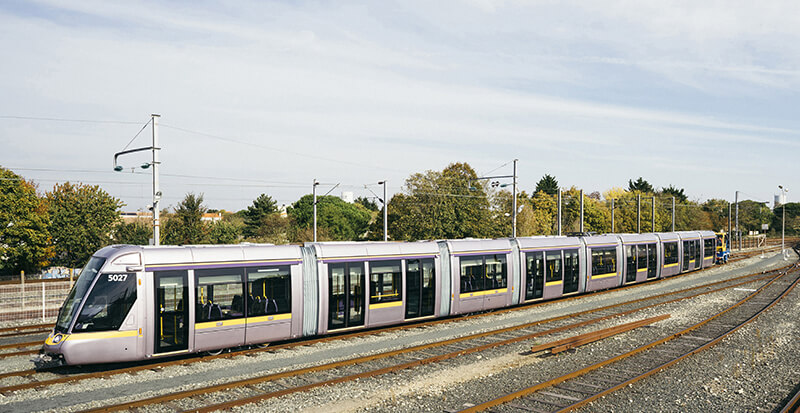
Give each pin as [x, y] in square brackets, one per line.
[723, 247]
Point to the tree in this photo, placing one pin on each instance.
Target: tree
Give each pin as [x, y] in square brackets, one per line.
[717, 210]
[752, 215]
[367, 203]
[548, 185]
[253, 216]
[276, 229]
[447, 204]
[134, 233]
[24, 234]
[343, 221]
[671, 191]
[792, 219]
[82, 218]
[185, 225]
[640, 186]
[224, 232]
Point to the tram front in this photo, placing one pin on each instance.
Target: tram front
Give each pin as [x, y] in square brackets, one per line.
[97, 322]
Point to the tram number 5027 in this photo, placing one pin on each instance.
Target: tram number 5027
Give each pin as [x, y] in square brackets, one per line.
[117, 277]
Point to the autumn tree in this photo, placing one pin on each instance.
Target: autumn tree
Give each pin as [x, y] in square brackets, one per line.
[82, 219]
[24, 233]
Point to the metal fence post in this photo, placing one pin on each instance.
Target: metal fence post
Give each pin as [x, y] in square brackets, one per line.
[43, 303]
[22, 278]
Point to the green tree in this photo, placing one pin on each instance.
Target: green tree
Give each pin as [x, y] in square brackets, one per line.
[342, 221]
[24, 234]
[752, 215]
[447, 204]
[792, 219]
[185, 226]
[224, 232]
[717, 210]
[134, 233]
[369, 204]
[671, 191]
[253, 216]
[276, 229]
[82, 218]
[548, 185]
[640, 185]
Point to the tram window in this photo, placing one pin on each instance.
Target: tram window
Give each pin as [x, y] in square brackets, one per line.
[481, 273]
[384, 281]
[554, 269]
[670, 253]
[651, 260]
[269, 290]
[218, 294]
[708, 247]
[472, 274]
[108, 303]
[604, 261]
[495, 271]
[77, 293]
[642, 257]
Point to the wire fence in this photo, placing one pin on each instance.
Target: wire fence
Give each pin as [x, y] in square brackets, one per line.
[32, 301]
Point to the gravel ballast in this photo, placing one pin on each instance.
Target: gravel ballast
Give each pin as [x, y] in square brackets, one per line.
[467, 379]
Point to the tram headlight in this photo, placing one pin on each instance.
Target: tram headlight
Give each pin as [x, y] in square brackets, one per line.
[57, 338]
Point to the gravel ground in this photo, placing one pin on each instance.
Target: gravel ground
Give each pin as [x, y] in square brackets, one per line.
[446, 385]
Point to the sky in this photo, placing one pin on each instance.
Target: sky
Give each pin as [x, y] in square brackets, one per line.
[265, 97]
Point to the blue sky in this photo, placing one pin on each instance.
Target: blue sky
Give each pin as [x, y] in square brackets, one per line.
[271, 95]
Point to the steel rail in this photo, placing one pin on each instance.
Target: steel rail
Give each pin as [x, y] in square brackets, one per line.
[581, 372]
[793, 405]
[250, 382]
[691, 352]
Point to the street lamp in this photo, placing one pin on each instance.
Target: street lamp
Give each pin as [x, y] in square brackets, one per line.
[155, 164]
[783, 220]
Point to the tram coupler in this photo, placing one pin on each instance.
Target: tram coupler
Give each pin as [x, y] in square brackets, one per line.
[44, 361]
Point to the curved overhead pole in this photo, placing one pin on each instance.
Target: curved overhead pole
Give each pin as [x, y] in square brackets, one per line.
[155, 163]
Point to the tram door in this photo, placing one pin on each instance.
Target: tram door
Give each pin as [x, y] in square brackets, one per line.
[346, 297]
[631, 267]
[172, 311]
[420, 288]
[534, 275]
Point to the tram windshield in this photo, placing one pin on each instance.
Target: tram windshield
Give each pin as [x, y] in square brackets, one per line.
[108, 303]
[67, 312]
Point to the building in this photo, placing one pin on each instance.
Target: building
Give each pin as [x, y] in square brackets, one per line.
[211, 217]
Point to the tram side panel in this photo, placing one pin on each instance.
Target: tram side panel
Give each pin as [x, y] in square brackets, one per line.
[604, 267]
[480, 274]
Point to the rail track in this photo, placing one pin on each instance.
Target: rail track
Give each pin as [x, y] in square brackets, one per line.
[42, 379]
[36, 379]
[263, 387]
[582, 386]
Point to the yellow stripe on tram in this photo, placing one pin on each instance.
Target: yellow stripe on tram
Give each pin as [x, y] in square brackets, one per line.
[480, 293]
[101, 334]
[386, 305]
[597, 277]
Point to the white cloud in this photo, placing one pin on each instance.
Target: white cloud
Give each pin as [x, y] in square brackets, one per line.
[400, 88]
